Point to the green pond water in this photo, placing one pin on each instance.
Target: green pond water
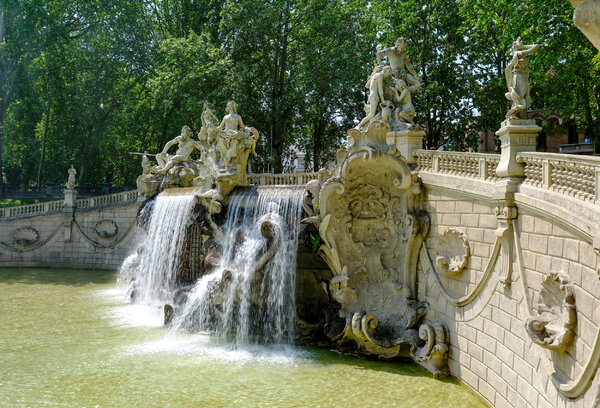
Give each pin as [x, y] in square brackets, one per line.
[70, 339]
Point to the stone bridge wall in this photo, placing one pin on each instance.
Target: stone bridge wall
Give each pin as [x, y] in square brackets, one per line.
[97, 233]
[550, 223]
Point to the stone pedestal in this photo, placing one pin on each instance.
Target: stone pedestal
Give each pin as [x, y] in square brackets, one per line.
[516, 135]
[407, 141]
[70, 197]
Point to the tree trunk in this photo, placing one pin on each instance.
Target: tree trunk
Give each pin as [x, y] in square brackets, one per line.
[43, 155]
[317, 145]
[1, 142]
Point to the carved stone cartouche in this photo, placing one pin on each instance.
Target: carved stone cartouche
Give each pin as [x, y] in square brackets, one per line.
[371, 232]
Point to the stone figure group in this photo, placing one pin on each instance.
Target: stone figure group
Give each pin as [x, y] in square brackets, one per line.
[390, 89]
[224, 148]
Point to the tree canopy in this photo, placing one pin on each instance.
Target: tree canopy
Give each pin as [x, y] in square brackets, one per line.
[84, 82]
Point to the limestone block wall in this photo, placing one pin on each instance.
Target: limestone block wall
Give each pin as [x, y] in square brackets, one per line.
[517, 259]
[97, 237]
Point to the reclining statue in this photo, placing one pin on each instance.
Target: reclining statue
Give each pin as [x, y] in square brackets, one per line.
[185, 148]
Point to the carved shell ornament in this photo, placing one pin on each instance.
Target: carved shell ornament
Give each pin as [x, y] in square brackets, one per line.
[26, 236]
[555, 324]
[453, 253]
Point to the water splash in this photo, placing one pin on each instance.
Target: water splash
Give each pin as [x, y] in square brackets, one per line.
[152, 271]
[244, 299]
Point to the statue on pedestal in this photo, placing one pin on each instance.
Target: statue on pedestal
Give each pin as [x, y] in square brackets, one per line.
[390, 89]
[71, 179]
[517, 79]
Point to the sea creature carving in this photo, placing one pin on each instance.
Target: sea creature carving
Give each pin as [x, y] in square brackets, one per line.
[556, 321]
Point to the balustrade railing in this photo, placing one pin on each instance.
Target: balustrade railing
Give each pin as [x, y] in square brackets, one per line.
[574, 176]
[461, 164]
[287, 179]
[55, 206]
[31, 209]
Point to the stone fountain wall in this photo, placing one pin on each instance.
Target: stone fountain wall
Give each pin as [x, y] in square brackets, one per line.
[521, 295]
[96, 233]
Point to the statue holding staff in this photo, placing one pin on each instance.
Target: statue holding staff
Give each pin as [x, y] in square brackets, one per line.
[517, 79]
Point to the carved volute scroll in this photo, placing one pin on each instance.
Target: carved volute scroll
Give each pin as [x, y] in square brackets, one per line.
[453, 252]
[556, 321]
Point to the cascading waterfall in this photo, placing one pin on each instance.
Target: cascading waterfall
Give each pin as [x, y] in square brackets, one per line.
[251, 295]
[154, 267]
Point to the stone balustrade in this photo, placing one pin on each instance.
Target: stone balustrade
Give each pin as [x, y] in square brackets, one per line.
[287, 179]
[57, 206]
[31, 209]
[110, 199]
[461, 164]
[573, 176]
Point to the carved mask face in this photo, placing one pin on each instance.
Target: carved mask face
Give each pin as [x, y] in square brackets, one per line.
[367, 203]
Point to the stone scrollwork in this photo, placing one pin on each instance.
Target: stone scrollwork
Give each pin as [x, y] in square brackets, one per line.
[453, 253]
[434, 354]
[556, 321]
[26, 236]
[505, 215]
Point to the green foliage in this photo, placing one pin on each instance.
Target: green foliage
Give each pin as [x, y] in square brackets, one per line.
[85, 82]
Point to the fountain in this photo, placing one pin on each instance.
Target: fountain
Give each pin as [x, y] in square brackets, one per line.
[234, 272]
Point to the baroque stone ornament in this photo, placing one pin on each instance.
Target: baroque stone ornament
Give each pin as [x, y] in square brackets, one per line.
[453, 253]
[224, 149]
[505, 215]
[26, 236]
[556, 321]
[106, 228]
[371, 232]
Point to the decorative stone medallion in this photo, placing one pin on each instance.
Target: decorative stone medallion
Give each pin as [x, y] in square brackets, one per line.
[106, 228]
[26, 236]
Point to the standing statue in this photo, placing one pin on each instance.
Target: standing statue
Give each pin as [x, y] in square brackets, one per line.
[146, 165]
[517, 79]
[398, 60]
[186, 146]
[71, 178]
[209, 124]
